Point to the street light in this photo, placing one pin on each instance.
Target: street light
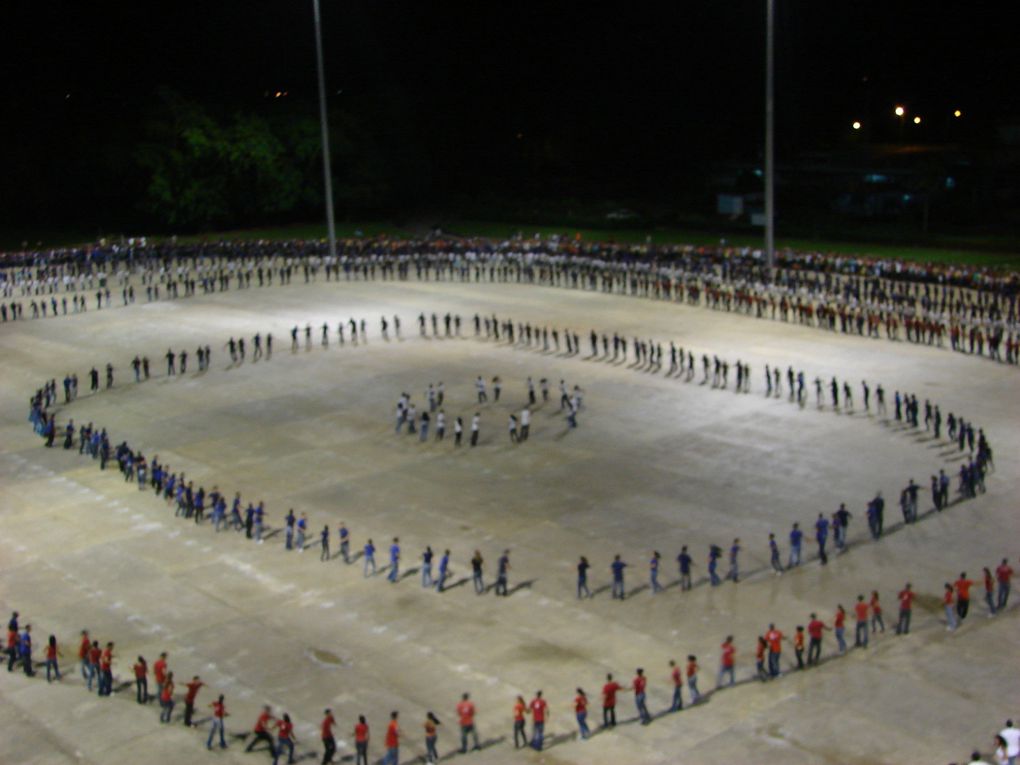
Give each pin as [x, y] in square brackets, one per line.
[900, 111]
[957, 114]
[917, 120]
[856, 125]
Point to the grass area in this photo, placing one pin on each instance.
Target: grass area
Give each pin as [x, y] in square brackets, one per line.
[951, 251]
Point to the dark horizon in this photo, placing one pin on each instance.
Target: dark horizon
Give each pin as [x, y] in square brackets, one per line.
[461, 100]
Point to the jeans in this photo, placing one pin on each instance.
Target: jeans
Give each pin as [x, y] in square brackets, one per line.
[608, 717]
[392, 756]
[678, 702]
[168, 708]
[281, 744]
[478, 582]
[861, 634]
[426, 575]
[642, 708]
[582, 723]
[361, 757]
[840, 631]
[369, 561]
[141, 690]
[217, 725]
[723, 672]
[713, 576]
[990, 600]
[774, 657]
[618, 591]
[1003, 595]
[876, 619]
[903, 625]
[950, 618]
[394, 571]
[329, 749]
[582, 587]
[465, 730]
[51, 664]
[537, 735]
[692, 686]
[655, 582]
[814, 650]
[794, 556]
[441, 582]
[86, 670]
[431, 754]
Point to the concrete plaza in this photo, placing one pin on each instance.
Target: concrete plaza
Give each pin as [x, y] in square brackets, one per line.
[655, 463]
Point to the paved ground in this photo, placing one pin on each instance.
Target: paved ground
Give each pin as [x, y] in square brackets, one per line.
[656, 463]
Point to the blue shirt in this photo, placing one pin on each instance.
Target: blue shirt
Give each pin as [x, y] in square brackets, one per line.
[395, 553]
[369, 551]
[618, 566]
[685, 563]
[795, 536]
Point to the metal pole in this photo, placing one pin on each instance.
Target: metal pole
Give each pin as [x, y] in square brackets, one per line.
[330, 225]
[770, 192]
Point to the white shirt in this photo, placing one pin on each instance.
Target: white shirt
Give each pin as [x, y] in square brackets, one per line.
[474, 423]
[1012, 737]
[440, 420]
[525, 417]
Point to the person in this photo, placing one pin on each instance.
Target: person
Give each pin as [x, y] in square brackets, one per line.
[466, 716]
[520, 736]
[1001, 757]
[861, 623]
[431, 737]
[261, 730]
[638, 685]
[512, 428]
[692, 679]
[476, 573]
[361, 734]
[539, 709]
[392, 756]
[345, 543]
[962, 587]
[906, 598]
[761, 648]
[1011, 735]
[285, 739]
[458, 431]
[1004, 575]
[526, 419]
[581, 712]
[796, 538]
[52, 652]
[989, 582]
[734, 572]
[876, 612]
[777, 565]
[582, 578]
[727, 662]
[328, 739]
[219, 711]
[653, 571]
[774, 637]
[475, 425]
[83, 655]
[685, 561]
[502, 572]
[106, 671]
[166, 698]
[189, 699]
[798, 646]
[394, 561]
[975, 759]
[444, 570]
[609, 691]
[839, 628]
[324, 536]
[141, 671]
[617, 568]
[821, 535]
[815, 629]
[426, 566]
[369, 558]
[676, 677]
[948, 599]
[159, 672]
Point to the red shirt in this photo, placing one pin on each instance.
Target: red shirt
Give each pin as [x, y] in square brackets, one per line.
[609, 694]
[140, 670]
[759, 652]
[639, 683]
[361, 732]
[947, 598]
[284, 728]
[876, 608]
[106, 659]
[327, 727]
[861, 609]
[963, 588]
[218, 709]
[814, 629]
[798, 640]
[159, 671]
[193, 686]
[692, 669]
[83, 649]
[51, 651]
[392, 735]
[538, 707]
[262, 722]
[839, 619]
[12, 638]
[580, 704]
[519, 711]
[677, 675]
[168, 692]
[775, 641]
[906, 599]
[94, 654]
[466, 713]
[1003, 573]
[728, 652]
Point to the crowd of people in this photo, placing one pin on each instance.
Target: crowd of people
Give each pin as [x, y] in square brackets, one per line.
[973, 310]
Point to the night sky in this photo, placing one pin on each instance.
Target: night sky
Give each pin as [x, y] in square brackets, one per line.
[616, 96]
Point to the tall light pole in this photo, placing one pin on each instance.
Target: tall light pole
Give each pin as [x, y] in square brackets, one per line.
[327, 175]
[770, 191]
